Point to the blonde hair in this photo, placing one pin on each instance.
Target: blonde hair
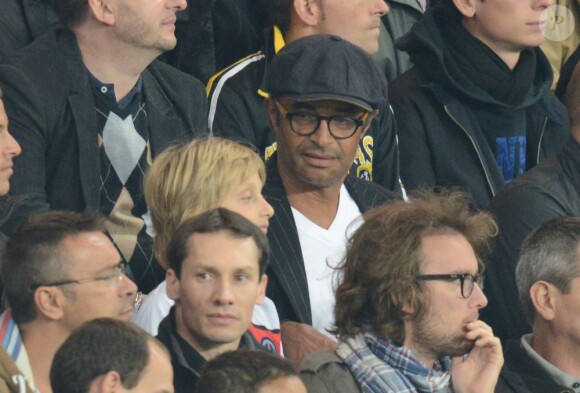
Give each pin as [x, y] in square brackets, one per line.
[186, 180]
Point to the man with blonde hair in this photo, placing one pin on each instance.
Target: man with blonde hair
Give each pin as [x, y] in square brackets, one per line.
[186, 180]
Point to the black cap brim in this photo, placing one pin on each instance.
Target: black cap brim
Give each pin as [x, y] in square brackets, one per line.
[334, 97]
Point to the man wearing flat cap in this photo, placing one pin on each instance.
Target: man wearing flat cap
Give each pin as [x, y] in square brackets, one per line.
[324, 92]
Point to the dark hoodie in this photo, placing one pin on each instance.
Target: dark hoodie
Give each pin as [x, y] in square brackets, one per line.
[464, 118]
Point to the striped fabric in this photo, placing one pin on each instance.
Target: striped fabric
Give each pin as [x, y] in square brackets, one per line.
[13, 345]
[287, 283]
[217, 82]
[382, 367]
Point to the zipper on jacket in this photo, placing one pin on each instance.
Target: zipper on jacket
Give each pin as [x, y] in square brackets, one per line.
[540, 141]
[479, 155]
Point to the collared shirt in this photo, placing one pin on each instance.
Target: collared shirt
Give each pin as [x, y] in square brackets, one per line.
[108, 89]
[13, 345]
[557, 375]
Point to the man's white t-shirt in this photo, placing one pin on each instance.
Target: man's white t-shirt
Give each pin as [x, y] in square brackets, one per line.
[322, 250]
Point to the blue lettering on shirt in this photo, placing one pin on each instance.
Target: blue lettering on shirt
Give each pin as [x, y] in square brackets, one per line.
[511, 156]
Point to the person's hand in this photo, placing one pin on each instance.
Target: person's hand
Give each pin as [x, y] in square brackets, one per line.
[299, 340]
[478, 371]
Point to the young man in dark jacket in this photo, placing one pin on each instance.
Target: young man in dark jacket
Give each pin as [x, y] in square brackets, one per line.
[550, 190]
[476, 111]
[216, 274]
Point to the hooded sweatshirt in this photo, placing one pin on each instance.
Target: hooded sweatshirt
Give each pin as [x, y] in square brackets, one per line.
[456, 72]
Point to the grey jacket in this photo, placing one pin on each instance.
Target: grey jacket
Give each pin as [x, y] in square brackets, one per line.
[325, 372]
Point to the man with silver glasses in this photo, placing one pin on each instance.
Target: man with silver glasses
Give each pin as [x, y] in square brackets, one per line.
[407, 307]
[60, 270]
[324, 92]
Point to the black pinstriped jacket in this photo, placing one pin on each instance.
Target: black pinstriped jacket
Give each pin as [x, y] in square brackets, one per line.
[287, 284]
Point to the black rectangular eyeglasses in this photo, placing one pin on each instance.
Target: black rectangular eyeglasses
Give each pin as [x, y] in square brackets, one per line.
[466, 280]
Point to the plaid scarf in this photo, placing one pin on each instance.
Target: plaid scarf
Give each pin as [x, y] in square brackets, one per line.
[383, 367]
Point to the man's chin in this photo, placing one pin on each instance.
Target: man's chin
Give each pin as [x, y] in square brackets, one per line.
[461, 348]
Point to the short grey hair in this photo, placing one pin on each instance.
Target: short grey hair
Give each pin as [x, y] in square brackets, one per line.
[551, 253]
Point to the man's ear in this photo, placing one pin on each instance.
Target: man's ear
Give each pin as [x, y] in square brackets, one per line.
[173, 284]
[309, 12]
[466, 7]
[542, 296]
[102, 11]
[406, 308]
[262, 289]
[50, 302]
[109, 382]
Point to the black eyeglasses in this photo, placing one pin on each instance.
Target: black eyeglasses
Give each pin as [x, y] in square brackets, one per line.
[115, 273]
[467, 281]
[305, 123]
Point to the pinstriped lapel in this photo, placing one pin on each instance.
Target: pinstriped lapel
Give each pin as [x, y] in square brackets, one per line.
[286, 261]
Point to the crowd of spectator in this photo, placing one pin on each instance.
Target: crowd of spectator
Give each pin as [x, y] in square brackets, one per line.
[290, 196]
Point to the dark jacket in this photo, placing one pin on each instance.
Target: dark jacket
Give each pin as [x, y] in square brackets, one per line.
[212, 34]
[186, 375]
[550, 190]
[237, 111]
[287, 284]
[402, 15]
[521, 374]
[50, 105]
[441, 137]
[21, 22]
[8, 206]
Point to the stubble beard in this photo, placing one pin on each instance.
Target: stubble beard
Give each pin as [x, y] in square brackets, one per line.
[429, 342]
[136, 32]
